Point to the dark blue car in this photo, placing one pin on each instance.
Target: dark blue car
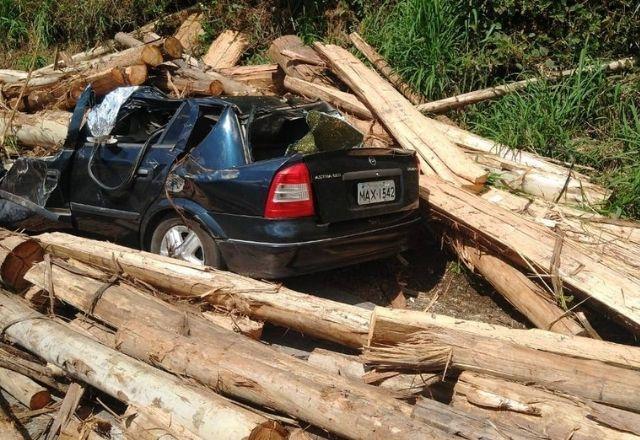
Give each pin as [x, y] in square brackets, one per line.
[263, 186]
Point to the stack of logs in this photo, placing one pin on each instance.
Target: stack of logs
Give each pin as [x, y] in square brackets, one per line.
[101, 341]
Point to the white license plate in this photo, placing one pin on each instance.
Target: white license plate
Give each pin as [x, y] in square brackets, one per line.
[376, 192]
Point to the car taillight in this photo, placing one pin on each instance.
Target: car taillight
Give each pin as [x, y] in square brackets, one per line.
[290, 194]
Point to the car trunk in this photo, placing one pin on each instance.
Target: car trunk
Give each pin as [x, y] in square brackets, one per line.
[362, 182]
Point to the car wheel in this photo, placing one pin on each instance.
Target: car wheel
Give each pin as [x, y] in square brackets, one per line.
[188, 242]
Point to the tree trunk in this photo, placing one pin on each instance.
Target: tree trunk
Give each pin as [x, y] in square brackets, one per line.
[541, 412]
[152, 424]
[226, 50]
[182, 87]
[81, 57]
[230, 86]
[170, 47]
[17, 255]
[293, 66]
[44, 374]
[268, 78]
[190, 31]
[46, 129]
[239, 324]
[535, 247]
[458, 346]
[410, 128]
[121, 377]
[26, 391]
[523, 294]
[261, 375]
[383, 67]
[8, 430]
[308, 314]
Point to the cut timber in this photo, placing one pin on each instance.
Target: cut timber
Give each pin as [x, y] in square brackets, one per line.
[265, 77]
[66, 410]
[45, 129]
[239, 324]
[465, 99]
[262, 301]
[461, 349]
[226, 50]
[293, 66]
[341, 100]
[153, 424]
[383, 67]
[87, 55]
[231, 87]
[123, 378]
[182, 86]
[523, 294]
[467, 425]
[282, 382]
[391, 326]
[190, 31]
[411, 129]
[8, 429]
[541, 412]
[285, 383]
[35, 82]
[25, 390]
[8, 76]
[43, 374]
[17, 255]
[531, 246]
[170, 47]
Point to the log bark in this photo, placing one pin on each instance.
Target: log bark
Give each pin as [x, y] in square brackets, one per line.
[46, 129]
[411, 129]
[531, 247]
[523, 294]
[308, 314]
[17, 255]
[462, 100]
[44, 374]
[239, 324]
[387, 71]
[466, 350]
[25, 390]
[190, 31]
[293, 66]
[123, 378]
[182, 86]
[541, 412]
[226, 50]
[265, 377]
[267, 78]
[230, 86]
[251, 371]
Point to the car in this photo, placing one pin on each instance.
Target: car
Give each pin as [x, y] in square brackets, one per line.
[263, 186]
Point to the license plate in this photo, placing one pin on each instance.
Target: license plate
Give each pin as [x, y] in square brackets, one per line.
[376, 192]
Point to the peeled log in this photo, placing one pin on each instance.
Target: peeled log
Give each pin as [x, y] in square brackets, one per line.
[152, 424]
[26, 391]
[226, 50]
[125, 379]
[230, 86]
[190, 31]
[379, 62]
[542, 413]
[182, 86]
[485, 352]
[267, 78]
[523, 294]
[408, 126]
[325, 319]
[17, 256]
[292, 66]
[46, 129]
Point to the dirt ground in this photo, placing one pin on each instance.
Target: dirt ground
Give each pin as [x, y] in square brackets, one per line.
[428, 278]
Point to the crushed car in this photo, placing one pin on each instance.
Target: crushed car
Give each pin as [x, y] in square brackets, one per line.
[263, 186]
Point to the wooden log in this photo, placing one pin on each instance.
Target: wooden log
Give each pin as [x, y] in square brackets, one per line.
[123, 378]
[308, 314]
[383, 67]
[230, 86]
[66, 410]
[467, 425]
[153, 424]
[391, 326]
[226, 50]
[25, 390]
[35, 82]
[293, 66]
[541, 412]
[405, 123]
[268, 78]
[462, 349]
[341, 100]
[78, 58]
[462, 100]
[239, 324]
[17, 255]
[190, 31]
[282, 382]
[523, 294]
[45, 129]
[45, 374]
[9, 76]
[170, 47]
[182, 86]
[300, 392]
[531, 246]
[8, 429]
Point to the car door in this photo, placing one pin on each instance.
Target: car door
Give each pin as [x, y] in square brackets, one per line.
[114, 181]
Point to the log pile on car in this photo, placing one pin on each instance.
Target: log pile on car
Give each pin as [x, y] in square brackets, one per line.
[101, 341]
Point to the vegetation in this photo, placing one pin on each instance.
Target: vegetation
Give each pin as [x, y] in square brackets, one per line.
[441, 47]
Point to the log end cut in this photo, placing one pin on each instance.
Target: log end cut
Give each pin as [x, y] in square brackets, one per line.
[18, 254]
[270, 430]
[39, 400]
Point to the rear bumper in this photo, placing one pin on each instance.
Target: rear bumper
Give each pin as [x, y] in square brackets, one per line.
[280, 260]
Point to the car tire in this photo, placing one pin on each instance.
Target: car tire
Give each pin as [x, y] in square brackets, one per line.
[167, 231]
